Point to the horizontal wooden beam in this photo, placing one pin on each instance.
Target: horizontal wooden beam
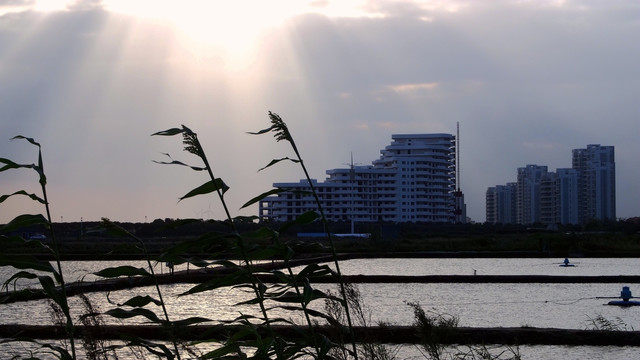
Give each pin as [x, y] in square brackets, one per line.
[374, 334]
[202, 275]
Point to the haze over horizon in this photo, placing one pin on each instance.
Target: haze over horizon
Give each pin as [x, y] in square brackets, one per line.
[91, 80]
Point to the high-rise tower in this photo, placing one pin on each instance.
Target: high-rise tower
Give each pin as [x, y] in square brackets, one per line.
[596, 182]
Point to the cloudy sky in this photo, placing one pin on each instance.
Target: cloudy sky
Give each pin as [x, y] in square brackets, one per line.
[91, 80]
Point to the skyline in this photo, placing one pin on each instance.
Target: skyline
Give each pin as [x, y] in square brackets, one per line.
[92, 80]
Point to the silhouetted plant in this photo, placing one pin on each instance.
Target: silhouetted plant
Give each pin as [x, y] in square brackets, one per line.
[281, 132]
[52, 281]
[362, 317]
[261, 244]
[599, 322]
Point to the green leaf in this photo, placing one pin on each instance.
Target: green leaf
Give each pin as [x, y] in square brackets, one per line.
[175, 162]
[264, 253]
[314, 270]
[208, 187]
[302, 219]
[54, 293]
[64, 353]
[140, 301]
[8, 165]
[119, 313]
[124, 270]
[18, 275]
[26, 262]
[191, 321]
[263, 131]
[307, 294]
[22, 192]
[262, 196]
[31, 140]
[115, 229]
[38, 168]
[226, 349]
[210, 244]
[24, 221]
[162, 353]
[238, 277]
[275, 161]
[169, 132]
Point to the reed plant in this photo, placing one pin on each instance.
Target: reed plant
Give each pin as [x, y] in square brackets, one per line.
[255, 337]
[255, 333]
[229, 254]
[281, 132]
[50, 277]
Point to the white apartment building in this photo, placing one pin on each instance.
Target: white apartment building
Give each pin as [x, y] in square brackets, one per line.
[412, 181]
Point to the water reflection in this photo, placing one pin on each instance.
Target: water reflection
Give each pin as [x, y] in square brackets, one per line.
[569, 306]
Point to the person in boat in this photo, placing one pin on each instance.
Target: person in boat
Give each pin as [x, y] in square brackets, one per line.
[566, 261]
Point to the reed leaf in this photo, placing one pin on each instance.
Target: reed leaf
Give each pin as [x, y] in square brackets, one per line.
[302, 219]
[31, 140]
[124, 270]
[263, 253]
[307, 294]
[209, 242]
[18, 275]
[191, 321]
[39, 168]
[170, 132]
[163, 351]
[8, 165]
[262, 196]
[120, 313]
[236, 278]
[140, 301]
[22, 192]
[206, 188]
[26, 262]
[54, 293]
[25, 221]
[232, 347]
[58, 351]
[176, 162]
[275, 161]
[314, 270]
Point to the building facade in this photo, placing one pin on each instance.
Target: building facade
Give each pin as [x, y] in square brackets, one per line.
[528, 193]
[567, 196]
[597, 182]
[501, 204]
[412, 181]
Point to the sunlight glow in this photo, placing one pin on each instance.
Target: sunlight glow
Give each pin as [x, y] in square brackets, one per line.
[50, 5]
[230, 29]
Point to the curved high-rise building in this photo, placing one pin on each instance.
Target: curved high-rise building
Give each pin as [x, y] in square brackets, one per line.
[412, 181]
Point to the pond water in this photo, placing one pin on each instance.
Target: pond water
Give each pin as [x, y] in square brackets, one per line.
[568, 306]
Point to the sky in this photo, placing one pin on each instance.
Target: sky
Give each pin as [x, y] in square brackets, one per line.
[528, 81]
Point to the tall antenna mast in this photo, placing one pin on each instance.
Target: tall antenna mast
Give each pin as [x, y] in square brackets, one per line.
[458, 155]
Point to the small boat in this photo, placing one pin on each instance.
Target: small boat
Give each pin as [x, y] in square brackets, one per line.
[626, 296]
